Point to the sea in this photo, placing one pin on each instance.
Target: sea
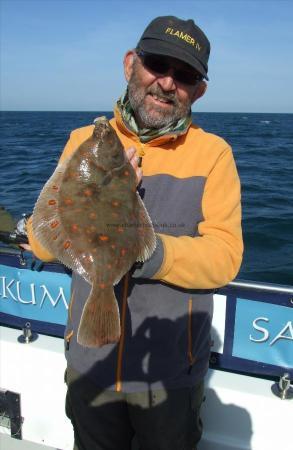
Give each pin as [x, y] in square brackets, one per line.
[31, 143]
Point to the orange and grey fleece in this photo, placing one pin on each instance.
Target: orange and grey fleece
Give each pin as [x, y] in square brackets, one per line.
[191, 190]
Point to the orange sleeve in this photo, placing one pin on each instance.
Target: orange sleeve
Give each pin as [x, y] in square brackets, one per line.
[212, 259]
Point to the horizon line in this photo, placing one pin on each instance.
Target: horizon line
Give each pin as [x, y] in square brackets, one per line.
[111, 111]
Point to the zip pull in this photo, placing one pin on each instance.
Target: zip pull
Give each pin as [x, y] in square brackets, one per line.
[141, 153]
[67, 339]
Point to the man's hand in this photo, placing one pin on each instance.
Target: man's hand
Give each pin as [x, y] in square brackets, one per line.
[133, 159]
[25, 247]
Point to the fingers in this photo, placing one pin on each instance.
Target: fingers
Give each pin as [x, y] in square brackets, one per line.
[133, 159]
[130, 152]
[25, 247]
[138, 175]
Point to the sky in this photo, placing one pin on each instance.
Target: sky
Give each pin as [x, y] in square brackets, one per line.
[67, 55]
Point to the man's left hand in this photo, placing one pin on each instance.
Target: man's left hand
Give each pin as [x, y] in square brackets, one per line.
[133, 159]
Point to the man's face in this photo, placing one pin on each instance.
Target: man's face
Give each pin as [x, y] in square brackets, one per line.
[159, 99]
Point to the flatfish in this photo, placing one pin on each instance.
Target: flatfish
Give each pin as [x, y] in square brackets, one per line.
[91, 218]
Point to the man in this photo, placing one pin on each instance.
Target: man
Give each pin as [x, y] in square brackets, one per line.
[150, 384]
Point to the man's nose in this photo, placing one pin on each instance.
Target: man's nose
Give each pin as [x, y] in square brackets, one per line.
[167, 81]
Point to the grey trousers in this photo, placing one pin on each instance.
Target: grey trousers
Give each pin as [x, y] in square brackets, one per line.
[152, 420]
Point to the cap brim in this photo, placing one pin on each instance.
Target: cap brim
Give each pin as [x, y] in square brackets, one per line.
[158, 47]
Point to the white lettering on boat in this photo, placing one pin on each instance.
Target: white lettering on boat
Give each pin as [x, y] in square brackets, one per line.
[47, 294]
[6, 289]
[287, 328]
[11, 289]
[261, 329]
[285, 333]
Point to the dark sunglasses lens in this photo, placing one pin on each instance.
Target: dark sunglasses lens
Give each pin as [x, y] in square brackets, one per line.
[161, 66]
[156, 64]
[183, 76]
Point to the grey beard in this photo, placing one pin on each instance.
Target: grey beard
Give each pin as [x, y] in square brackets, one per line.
[146, 120]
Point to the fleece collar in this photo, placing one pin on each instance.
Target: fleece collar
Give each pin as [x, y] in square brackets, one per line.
[125, 118]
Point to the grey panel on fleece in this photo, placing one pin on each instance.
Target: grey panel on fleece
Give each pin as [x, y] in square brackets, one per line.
[174, 204]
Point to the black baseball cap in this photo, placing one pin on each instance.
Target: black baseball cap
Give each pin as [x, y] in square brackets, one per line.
[180, 39]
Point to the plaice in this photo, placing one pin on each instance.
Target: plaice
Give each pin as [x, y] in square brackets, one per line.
[91, 218]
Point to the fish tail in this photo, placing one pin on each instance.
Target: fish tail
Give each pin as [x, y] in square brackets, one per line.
[100, 320]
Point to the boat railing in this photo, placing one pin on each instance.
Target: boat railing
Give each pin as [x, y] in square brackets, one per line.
[261, 286]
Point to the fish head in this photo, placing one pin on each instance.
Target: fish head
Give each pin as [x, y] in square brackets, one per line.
[109, 151]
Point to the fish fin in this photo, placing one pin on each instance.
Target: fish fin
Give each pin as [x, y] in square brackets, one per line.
[147, 238]
[121, 271]
[100, 319]
[45, 214]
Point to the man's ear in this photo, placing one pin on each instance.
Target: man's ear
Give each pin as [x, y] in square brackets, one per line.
[200, 90]
[128, 64]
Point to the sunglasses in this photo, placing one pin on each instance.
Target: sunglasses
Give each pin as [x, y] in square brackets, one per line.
[161, 65]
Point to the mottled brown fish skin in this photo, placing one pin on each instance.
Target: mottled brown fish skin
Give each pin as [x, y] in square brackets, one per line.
[97, 225]
[99, 208]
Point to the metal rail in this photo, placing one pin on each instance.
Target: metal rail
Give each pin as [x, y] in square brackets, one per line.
[259, 286]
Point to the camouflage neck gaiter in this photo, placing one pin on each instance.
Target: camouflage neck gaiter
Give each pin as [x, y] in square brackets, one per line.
[147, 134]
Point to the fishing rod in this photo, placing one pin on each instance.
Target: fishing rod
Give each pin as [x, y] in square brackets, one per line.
[12, 237]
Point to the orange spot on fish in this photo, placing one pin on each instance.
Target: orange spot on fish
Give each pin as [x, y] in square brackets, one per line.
[113, 246]
[123, 252]
[54, 224]
[92, 215]
[74, 227]
[68, 201]
[120, 230]
[102, 285]
[55, 188]
[126, 173]
[109, 266]
[115, 203]
[103, 237]
[54, 238]
[88, 192]
[66, 244]
[52, 202]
